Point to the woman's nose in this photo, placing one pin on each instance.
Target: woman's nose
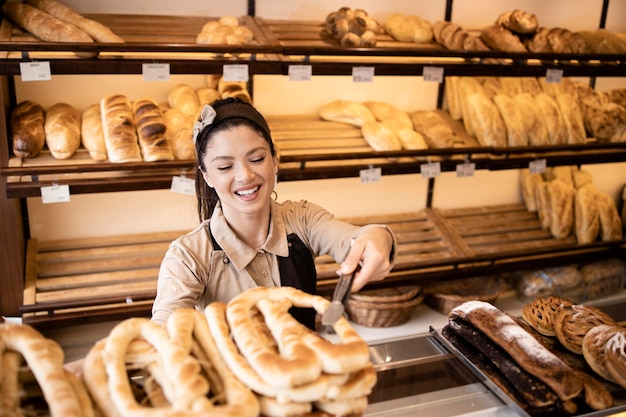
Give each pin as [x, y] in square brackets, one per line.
[244, 173]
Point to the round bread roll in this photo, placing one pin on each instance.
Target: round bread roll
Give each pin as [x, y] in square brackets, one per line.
[572, 324]
[616, 358]
[594, 348]
[27, 129]
[540, 314]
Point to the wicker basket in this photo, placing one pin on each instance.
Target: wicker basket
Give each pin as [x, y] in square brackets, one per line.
[386, 307]
[445, 297]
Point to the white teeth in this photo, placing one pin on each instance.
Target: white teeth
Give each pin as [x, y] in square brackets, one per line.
[248, 192]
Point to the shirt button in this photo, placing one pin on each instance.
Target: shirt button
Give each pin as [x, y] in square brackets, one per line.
[264, 273]
[225, 260]
[259, 253]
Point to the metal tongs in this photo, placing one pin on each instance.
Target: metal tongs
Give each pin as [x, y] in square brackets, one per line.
[340, 297]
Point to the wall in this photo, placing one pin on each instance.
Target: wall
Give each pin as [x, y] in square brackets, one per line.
[146, 211]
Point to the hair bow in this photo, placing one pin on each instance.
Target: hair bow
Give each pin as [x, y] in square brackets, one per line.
[207, 115]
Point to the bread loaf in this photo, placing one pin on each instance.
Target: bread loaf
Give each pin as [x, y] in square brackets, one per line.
[92, 135]
[528, 183]
[489, 128]
[62, 130]
[179, 133]
[561, 208]
[562, 173]
[534, 124]
[467, 86]
[542, 199]
[346, 111]
[96, 30]
[511, 85]
[539, 43]
[530, 85]
[380, 137]
[587, 221]
[45, 26]
[151, 131]
[383, 111]
[581, 178]
[184, 98]
[452, 97]
[553, 119]
[120, 133]
[500, 39]
[411, 139]
[436, 131]
[610, 221]
[408, 28]
[572, 119]
[518, 21]
[513, 118]
[27, 129]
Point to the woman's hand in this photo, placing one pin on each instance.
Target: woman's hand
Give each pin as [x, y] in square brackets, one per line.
[373, 250]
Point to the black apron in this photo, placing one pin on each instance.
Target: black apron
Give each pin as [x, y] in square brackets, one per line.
[296, 270]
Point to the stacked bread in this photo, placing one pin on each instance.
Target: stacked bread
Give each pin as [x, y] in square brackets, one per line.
[409, 28]
[226, 30]
[517, 360]
[568, 203]
[516, 111]
[244, 358]
[585, 331]
[353, 28]
[52, 21]
[34, 381]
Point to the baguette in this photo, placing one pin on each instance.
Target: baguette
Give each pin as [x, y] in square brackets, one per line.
[96, 30]
[533, 357]
[62, 130]
[92, 135]
[44, 26]
[27, 129]
[120, 134]
[151, 131]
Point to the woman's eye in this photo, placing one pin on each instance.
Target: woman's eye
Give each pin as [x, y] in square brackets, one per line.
[258, 159]
[224, 168]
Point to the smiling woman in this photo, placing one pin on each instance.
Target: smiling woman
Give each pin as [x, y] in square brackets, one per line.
[245, 238]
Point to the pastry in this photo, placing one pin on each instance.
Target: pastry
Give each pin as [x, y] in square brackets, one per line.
[542, 311]
[92, 136]
[120, 132]
[27, 129]
[62, 129]
[572, 324]
[151, 131]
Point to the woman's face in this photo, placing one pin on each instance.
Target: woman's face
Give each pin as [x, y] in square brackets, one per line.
[241, 169]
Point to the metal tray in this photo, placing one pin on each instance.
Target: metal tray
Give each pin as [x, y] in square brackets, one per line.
[445, 344]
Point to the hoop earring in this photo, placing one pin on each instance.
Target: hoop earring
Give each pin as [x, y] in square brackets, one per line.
[274, 195]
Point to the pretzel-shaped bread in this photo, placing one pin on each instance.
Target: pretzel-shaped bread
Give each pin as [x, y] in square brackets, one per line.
[44, 358]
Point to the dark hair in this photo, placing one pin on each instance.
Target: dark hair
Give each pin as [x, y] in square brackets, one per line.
[230, 113]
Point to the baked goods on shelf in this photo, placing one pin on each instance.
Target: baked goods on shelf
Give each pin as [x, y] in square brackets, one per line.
[572, 323]
[120, 131]
[346, 111]
[353, 28]
[448, 295]
[409, 28]
[225, 30]
[63, 130]
[385, 307]
[91, 133]
[27, 129]
[151, 131]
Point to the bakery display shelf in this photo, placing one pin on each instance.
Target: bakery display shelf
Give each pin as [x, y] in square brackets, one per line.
[619, 394]
[110, 276]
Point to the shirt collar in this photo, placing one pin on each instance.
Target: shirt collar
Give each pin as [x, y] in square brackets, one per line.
[236, 250]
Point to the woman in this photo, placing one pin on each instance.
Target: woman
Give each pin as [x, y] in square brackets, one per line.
[245, 238]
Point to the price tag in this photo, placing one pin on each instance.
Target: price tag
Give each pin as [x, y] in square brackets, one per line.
[183, 185]
[537, 166]
[156, 72]
[300, 72]
[35, 71]
[55, 194]
[370, 175]
[236, 72]
[434, 74]
[465, 170]
[554, 76]
[430, 170]
[362, 74]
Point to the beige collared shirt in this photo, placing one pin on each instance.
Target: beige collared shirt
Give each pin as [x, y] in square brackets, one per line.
[193, 273]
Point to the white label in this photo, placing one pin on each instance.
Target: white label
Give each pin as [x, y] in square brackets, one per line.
[55, 194]
[236, 72]
[35, 71]
[434, 74]
[553, 76]
[300, 72]
[537, 166]
[370, 175]
[430, 170]
[465, 170]
[156, 72]
[183, 185]
[362, 74]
